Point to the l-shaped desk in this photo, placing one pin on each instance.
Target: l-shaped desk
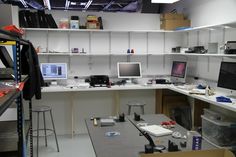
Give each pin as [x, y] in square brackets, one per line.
[157, 87]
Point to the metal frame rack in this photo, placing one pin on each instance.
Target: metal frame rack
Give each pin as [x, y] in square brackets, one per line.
[10, 39]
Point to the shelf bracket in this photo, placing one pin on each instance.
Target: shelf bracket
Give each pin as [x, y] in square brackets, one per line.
[208, 64]
[147, 49]
[110, 50]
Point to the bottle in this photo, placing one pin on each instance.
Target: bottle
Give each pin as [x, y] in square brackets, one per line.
[207, 91]
[74, 22]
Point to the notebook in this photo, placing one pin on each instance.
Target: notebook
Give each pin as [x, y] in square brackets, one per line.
[156, 130]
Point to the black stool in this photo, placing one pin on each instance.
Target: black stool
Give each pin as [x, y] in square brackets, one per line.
[135, 104]
[44, 109]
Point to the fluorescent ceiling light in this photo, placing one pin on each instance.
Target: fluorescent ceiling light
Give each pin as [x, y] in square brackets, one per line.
[72, 3]
[47, 4]
[67, 4]
[24, 3]
[164, 1]
[88, 4]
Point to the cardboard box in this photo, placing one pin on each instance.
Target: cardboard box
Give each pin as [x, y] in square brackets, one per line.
[173, 24]
[172, 16]
[199, 153]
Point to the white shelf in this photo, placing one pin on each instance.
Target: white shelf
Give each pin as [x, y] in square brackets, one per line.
[54, 54]
[210, 27]
[203, 55]
[97, 30]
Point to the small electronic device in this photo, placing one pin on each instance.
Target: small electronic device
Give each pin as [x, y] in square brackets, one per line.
[99, 80]
[227, 75]
[230, 47]
[54, 71]
[178, 72]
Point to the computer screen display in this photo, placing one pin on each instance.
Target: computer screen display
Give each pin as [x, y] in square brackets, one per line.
[179, 69]
[227, 75]
[54, 71]
[129, 70]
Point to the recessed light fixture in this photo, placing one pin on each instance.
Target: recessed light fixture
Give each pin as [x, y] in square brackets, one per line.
[72, 3]
[164, 1]
[47, 4]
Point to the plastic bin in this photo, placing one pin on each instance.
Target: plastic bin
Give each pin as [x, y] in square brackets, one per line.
[213, 114]
[221, 133]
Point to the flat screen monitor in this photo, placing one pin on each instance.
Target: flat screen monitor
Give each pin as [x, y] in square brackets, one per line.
[54, 71]
[5, 57]
[227, 75]
[129, 70]
[178, 71]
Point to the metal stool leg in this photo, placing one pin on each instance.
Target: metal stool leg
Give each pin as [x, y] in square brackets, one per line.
[37, 134]
[45, 131]
[54, 130]
[129, 110]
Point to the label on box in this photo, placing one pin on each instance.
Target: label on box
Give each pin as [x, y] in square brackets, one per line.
[197, 143]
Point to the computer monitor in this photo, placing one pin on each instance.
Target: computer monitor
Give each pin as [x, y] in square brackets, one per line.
[227, 75]
[6, 58]
[129, 70]
[54, 71]
[178, 72]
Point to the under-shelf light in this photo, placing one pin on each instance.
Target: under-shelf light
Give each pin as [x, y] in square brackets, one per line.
[164, 1]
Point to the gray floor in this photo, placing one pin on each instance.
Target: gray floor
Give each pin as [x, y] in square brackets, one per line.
[79, 146]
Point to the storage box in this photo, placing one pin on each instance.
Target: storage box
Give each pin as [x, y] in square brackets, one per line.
[173, 24]
[172, 16]
[199, 153]
[219, 132]
[213, 114]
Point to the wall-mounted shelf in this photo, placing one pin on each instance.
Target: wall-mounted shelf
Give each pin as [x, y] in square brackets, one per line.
[202, 55]
[98, 30]
[143, 54]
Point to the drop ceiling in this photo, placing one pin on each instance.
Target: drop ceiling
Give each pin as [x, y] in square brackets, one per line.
[144, 6]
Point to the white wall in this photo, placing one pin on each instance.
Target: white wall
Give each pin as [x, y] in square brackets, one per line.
[206, 12]
[123, 21]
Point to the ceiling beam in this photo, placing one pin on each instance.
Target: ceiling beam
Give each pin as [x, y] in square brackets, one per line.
[109, 4]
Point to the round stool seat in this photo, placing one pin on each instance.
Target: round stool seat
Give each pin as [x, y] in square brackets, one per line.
[137, 104]
[41, 109]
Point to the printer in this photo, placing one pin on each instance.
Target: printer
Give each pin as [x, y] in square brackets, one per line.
[99, 81]
[230, 47]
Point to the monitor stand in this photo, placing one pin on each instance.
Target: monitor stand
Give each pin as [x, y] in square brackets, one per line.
[54, 83]
[130, 81]
[231, 95]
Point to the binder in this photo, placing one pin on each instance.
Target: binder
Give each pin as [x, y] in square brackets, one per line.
[51, 22]
[42, 19]
[22, 19]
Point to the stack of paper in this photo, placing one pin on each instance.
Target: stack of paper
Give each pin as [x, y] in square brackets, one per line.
[107, 122]
[156, 130]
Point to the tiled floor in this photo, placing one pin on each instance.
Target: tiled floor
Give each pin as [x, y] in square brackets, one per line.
[78, 146]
